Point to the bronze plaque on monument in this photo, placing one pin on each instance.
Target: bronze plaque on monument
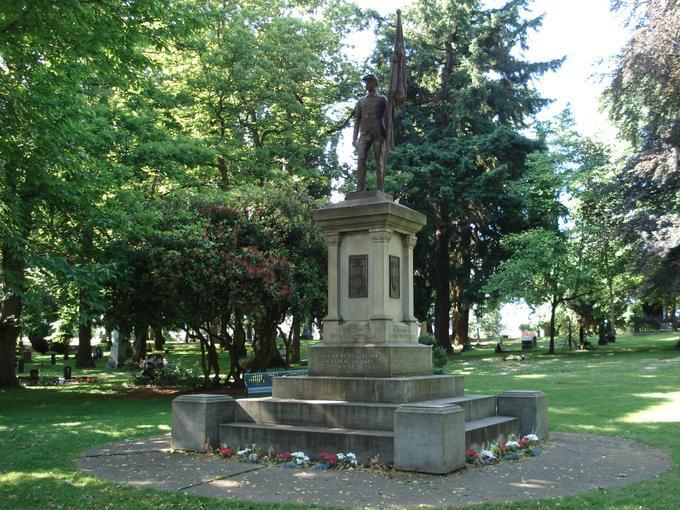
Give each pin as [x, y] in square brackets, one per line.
[394, 277]
[358, 276]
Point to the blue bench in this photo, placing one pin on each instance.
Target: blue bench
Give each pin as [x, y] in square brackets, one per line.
[260, 383]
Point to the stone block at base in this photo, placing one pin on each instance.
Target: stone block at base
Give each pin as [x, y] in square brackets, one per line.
[196, 420]
[370, 360]
[530, 407]
[429, 439]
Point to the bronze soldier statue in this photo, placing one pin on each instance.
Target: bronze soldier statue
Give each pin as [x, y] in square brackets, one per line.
[370, 131]
[374, 114]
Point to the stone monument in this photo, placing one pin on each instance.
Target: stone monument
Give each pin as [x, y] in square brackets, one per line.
[370, 388]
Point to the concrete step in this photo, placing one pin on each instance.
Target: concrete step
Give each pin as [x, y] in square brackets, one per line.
[317, 413]
[393, 390]
[333, 413]
[485, 430]
[311, 440]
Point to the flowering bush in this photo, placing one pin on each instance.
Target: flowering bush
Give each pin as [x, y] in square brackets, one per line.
[512, 449]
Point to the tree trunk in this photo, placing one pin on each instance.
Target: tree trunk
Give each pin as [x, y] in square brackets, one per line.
[461, 323]
[461, 308]
[237, 349]
[553, 309]
[612, 307]
[673, 308]
[569, 334]
[158, 339]
[213, 359]
[264, 344]
[141, 337]
[109, 341]
[8, 344]
[12, 286]
[224, 173]
[442, 300]
[294, 355]
[84, 356]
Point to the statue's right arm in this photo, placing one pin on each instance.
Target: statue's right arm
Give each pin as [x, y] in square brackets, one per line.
[357, 122]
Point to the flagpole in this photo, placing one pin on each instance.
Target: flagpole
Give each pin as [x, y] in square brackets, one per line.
[396, 94]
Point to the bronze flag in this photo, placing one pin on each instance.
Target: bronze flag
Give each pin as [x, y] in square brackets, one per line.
[397, 91]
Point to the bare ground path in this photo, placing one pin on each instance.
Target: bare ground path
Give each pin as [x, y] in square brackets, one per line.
[570, 463]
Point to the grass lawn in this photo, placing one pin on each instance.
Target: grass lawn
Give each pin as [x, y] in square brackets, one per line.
[628, 389]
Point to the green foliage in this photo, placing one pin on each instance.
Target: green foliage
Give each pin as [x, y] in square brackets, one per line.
[427, 339]
[462, 157]
[214, 259]
[545, 267]
[490, 320]
[256, 81]
[169, 375]
[111, 107]
[439, 356]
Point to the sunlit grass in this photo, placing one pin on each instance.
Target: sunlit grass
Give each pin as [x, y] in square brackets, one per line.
[628, 389]
[666, 412]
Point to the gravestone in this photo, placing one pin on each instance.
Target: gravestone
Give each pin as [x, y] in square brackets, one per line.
[118, 353]
[53, 359]
[27, 355]
[98, 353]
[20, 366]
[33, 377]
[67, 373]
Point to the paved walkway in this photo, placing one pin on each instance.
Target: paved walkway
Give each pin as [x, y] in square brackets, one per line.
[570, 463]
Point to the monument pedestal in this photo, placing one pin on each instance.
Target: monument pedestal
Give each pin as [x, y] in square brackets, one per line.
[370, 278]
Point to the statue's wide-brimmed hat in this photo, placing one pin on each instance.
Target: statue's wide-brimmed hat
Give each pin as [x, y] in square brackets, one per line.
[370, 77]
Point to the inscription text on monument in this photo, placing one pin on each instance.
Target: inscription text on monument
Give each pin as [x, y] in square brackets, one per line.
[350, 361]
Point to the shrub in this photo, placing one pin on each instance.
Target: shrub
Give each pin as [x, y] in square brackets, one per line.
[427, 339]
[39, 345]
[60, 346]
[439, 356]
[37, 337]
[175, 375]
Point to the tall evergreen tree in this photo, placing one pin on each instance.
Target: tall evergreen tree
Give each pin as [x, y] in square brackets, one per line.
[461, 155]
